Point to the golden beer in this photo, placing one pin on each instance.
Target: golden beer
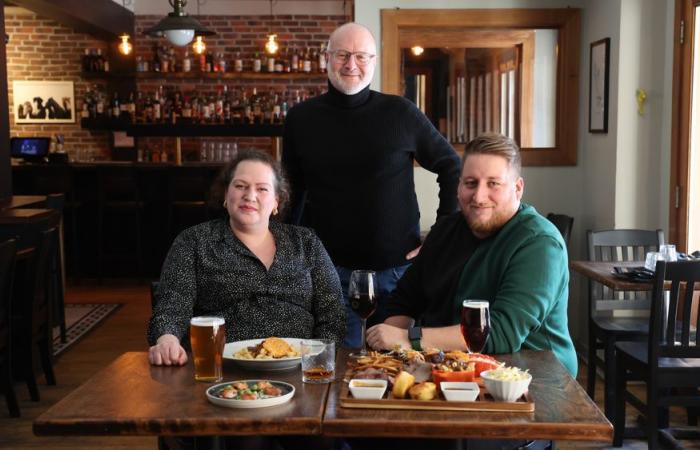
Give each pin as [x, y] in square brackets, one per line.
[207, 336]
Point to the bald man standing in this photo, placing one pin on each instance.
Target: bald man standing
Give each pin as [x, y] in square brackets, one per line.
[349, 155]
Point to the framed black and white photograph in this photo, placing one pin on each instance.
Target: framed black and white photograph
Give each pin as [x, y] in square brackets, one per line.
[43, 101]
[599, 86]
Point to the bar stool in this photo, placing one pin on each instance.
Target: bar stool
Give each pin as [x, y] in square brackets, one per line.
[57, 275]
[54, 179]
[188, 197]
[118, 198]
[31, 312]
[8, 251]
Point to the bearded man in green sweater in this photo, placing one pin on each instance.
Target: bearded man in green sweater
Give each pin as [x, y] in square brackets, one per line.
[497, 249]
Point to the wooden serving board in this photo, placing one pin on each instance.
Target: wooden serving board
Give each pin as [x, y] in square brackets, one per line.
[484, 402]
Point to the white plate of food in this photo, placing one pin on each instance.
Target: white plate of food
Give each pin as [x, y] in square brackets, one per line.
[250, 393]
[265, 354]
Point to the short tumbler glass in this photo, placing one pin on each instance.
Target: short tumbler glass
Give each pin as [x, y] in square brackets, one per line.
[317, 360]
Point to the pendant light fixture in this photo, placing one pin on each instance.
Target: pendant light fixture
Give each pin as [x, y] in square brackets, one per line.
[178, 27]
[271, 46]
[417, 50]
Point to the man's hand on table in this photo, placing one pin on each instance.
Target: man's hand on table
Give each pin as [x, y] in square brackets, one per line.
[167, 352]
[386, 337]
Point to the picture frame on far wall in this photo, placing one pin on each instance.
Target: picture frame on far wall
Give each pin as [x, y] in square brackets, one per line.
[599, 86]
[43, 102]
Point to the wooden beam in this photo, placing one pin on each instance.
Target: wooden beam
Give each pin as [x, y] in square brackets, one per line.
[104, 19]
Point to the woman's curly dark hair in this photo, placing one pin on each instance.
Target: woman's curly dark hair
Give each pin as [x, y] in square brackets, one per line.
[220, 186]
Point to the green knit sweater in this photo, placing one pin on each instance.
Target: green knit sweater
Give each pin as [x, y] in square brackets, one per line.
[522, 270]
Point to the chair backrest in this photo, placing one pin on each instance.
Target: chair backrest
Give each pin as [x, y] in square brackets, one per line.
[563, 223]
[618, 246]
[673, 332]
[8, 252]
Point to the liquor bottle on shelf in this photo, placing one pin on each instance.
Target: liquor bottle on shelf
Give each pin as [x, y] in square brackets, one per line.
[114, 108]
[164, 61]
[87, 61]
[156, 108]
[257, 63]
[186, 62]
[322, 58]
[307, 61]
[314, 61]
[294, 64]
[271, 64]
[209, 62]
[238, 63]
[222, 62]
[156, 59]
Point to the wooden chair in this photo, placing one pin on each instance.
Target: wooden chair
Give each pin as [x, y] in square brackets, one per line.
[33, 317]
[605, 326]
[669, 361]
[563, 223]
[8, 251]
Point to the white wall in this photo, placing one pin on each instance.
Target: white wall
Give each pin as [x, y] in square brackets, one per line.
[622, 177]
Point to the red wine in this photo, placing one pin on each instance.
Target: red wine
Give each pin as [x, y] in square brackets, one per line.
[364, 305]
[475, 325]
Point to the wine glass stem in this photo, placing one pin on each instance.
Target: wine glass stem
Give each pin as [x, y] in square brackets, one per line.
[363, 351]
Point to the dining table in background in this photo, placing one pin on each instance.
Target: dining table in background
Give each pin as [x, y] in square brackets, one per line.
[131, 397]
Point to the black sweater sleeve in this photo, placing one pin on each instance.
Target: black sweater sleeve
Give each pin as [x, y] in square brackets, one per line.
[435, 154]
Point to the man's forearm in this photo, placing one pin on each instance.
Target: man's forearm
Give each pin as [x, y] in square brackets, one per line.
[444, 338]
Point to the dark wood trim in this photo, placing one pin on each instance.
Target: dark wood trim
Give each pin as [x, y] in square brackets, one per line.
[567, 21]
[103, 18]
[5, 169]
[680, 125]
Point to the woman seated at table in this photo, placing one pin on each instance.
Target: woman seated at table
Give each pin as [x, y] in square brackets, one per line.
[264, 277]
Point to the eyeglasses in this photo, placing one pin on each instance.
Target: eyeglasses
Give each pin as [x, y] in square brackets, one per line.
[343, 56]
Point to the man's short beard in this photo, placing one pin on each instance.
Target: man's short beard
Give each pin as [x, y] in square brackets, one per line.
[491, 226]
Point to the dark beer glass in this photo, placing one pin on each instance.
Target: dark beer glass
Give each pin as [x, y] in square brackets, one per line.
[476, 324]
[363, 300]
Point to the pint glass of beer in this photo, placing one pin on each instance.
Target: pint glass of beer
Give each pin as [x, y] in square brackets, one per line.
[207, 336]
[476, 324]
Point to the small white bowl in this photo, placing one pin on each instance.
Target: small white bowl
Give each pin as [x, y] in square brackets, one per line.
[367, 389]
[459, 391]
[505, 390]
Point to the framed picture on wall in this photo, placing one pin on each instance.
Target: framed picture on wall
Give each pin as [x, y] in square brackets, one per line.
[599, 86]
[43, 101]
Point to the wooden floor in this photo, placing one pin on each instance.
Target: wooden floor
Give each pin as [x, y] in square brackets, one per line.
[125, 330]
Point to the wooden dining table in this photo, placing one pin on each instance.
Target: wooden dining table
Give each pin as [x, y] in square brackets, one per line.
[131, 397]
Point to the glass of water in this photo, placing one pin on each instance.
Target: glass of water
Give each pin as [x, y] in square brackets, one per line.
[668, 252]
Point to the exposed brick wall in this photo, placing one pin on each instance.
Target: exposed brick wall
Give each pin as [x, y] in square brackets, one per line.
[42, 49]
[247, 35]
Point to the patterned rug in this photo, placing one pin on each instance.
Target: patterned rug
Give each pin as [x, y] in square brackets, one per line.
[80, 319]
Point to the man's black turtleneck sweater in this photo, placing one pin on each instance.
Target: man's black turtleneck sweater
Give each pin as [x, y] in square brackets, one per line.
[352, 155]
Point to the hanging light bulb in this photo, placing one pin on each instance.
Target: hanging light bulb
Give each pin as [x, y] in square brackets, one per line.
[417, 50]
[199, 46]
[271, 46]
[125, 46]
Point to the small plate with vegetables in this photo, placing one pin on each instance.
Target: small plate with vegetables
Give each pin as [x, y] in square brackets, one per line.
[250, 393]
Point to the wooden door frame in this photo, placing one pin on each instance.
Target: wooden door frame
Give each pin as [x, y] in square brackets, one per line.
[567, 21]
[680, 125]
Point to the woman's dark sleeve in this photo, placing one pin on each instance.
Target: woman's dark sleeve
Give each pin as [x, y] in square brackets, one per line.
[177, 290]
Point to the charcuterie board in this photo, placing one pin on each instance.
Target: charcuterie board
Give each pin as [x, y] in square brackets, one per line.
[484, 402]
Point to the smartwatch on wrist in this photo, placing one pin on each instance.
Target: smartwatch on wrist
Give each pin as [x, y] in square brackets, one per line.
[414, 335]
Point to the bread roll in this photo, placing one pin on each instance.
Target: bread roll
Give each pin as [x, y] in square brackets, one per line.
[402, 383]
[423, 391]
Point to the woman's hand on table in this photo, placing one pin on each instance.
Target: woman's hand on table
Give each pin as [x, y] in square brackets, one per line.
[167, 352]
[386, 337]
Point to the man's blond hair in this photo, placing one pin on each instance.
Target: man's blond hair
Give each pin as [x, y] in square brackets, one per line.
[495, 144]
